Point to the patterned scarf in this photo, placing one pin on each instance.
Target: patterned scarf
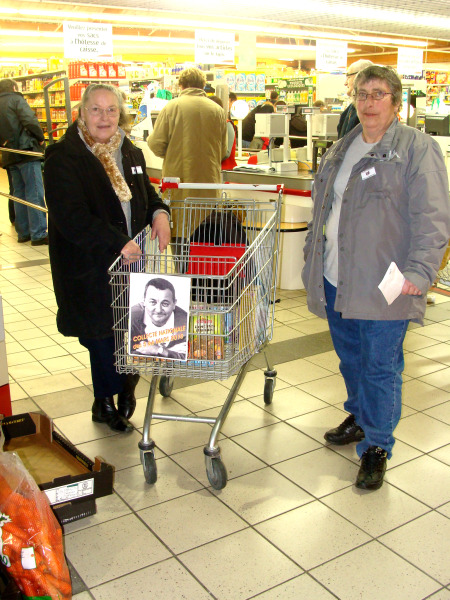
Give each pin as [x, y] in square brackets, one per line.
[105, 154]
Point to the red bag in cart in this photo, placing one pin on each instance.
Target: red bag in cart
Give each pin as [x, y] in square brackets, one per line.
[31, 543]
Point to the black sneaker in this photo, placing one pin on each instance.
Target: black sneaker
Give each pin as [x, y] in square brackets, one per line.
[372, 469]
[27, 238]
[348, 431]
[42, 242]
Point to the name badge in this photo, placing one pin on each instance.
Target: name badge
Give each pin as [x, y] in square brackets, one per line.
[139, 170]
[133, 170]
[369, 173]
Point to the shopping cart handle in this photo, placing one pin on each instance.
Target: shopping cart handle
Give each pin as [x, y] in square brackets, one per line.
[174, 183]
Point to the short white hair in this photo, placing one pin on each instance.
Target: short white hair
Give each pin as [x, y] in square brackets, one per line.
[358, 66]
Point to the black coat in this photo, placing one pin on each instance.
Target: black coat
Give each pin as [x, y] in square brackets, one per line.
[19, 129]
[87, 229]
[348, 120]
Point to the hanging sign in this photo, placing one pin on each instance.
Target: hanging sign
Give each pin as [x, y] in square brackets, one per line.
[214, 47]
[331, 55]
[87, 40]
[409, 61]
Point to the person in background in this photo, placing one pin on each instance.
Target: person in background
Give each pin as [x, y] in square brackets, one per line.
[248, 124]
[231, 99]
[349, 118]
[190, 134]
[380, 197]
[229, 161]
[99, 197]
[20, 130]
[298, 125]
[274, 95]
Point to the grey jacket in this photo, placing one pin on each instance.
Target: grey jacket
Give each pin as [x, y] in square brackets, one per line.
[19, 128]
[400, 213]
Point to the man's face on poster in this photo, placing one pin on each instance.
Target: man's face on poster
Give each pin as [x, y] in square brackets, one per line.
[159, 305]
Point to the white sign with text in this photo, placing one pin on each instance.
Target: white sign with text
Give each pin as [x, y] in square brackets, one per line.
[87, 40]
[409, 61]
[214, 47]
[331, 55]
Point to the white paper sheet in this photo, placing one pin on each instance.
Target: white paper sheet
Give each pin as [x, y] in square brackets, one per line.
[392, 283]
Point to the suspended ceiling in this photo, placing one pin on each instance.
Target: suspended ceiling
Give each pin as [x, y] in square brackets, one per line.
[292, 25]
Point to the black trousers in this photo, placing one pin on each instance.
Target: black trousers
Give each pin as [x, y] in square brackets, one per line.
[105, 379]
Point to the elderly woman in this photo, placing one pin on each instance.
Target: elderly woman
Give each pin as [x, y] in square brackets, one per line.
[98, 197]
[380, 197]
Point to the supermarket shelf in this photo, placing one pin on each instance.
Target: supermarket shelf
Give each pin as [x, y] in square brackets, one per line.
[39, 75]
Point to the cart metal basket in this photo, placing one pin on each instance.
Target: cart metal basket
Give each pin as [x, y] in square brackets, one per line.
[228, 249]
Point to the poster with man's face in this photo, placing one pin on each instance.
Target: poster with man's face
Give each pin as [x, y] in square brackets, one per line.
[159, 316]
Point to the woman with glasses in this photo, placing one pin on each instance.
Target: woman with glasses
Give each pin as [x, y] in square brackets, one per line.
[381, 214]
[99, 197]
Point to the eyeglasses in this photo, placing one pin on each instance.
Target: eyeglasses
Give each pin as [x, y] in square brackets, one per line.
[377, 95]
[350, 75]
[95, 111]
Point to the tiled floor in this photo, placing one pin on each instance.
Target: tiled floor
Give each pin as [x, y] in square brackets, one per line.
[289, 524]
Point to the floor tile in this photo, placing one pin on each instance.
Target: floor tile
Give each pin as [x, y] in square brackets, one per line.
[389, 576]
[177, 436]
[442, 454]
[441, 412]
[276, 443]
[119, 547]
[284, 333]
[317, 423]
[330, 389]
[420, 395]
[53, 351]
[424, 478]
[37, 342]
[19, 358]
[68, 402]
[445, 510]
[437, 331]
[439, 379]
[419, 365]
[443, 594]
[431, 552]
[167, 580]
[320, 472]
[252, 496]
[24, 406]
[437, 352]
[310, 326]
[28, 370]
[80, 428]
[423, 432]
[172, 482]
[375, 513]
[49, 384]
[237, 461]
[303, 586]
[297, 534]
[300, 371]
[256, 565]
[120, 450]
[16, 392]
[62, 363]
[108, 508]
[208, 520]
[327, 360]
[291, 402]
[202, 396]
[253, 384]
[245, 416]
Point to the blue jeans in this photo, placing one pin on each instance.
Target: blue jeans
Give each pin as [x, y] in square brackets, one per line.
[371, 355]
[28, 185]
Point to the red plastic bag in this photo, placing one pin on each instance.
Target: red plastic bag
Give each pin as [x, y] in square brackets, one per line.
[31, 544]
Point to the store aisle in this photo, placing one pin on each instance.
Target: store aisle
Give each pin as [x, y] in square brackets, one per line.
[290, 524]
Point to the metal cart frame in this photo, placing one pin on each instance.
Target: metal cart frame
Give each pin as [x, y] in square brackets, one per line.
[242, 297]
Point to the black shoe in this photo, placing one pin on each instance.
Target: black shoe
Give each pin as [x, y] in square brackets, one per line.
[372, 469]
[348, 431]
[126, 400]
[104, 411]
[27, 238]
[42, 242]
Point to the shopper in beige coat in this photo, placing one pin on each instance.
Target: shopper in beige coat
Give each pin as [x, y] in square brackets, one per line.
[190, 134]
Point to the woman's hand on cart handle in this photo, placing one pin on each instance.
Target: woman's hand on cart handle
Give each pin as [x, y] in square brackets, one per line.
[161, 228]
[131, 252]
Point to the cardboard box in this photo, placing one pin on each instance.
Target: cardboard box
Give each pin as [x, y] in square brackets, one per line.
[71, 480]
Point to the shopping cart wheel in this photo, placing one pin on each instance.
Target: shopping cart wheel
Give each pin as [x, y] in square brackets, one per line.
[269, 386]
[149, 465]
[165, 385]
[216, 472]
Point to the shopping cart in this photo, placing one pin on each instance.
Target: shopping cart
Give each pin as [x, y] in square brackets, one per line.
[228, 249]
